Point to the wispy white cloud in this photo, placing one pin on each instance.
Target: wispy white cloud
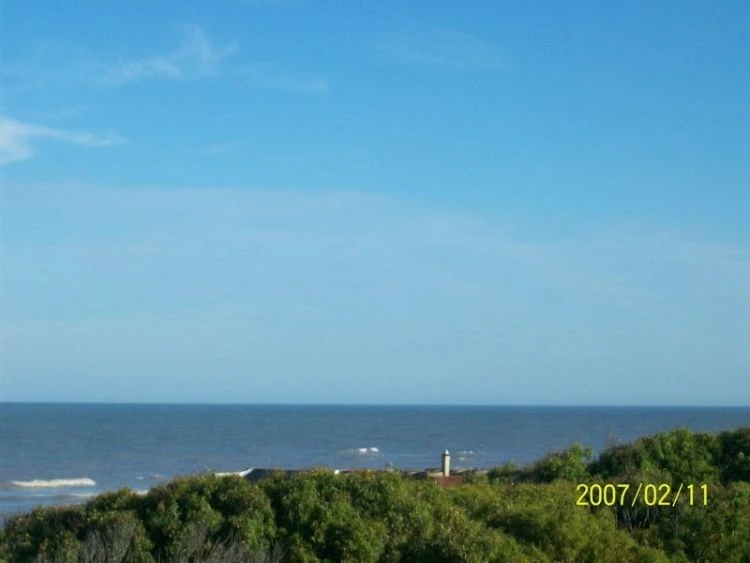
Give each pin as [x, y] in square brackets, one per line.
[611, 262]
[16, 138]
[220, 148]
[59, 114]
[197, 57]
[269, 77]
[442, 48]
[47, 64]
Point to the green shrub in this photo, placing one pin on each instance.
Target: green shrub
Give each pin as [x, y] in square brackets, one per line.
[189, 517]
[685, 456]
[570, 465]
[515, 514]
[734, 457]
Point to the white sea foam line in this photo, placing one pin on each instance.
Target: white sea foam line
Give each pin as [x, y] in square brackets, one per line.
[360, 451]
[242, 473]
[54, 483]
[73, 495]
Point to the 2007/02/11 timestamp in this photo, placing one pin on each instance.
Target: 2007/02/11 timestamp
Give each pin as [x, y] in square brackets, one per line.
[651, 494]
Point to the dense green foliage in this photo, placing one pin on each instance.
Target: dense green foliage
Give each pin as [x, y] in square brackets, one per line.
[510, 514]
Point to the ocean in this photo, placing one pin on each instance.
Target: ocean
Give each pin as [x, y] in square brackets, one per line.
[67, 453]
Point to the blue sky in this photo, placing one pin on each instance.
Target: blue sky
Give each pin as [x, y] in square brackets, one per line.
[300, 201]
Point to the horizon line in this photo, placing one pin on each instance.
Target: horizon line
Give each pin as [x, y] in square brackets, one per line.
[412, 405]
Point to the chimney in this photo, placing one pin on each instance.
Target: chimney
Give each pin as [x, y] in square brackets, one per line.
[446, 463]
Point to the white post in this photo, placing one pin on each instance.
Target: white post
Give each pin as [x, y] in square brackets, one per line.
[446, 463]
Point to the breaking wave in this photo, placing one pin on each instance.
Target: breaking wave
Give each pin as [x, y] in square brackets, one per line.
[71, 496]
[360, 451]
[52, 483]
[242, 473]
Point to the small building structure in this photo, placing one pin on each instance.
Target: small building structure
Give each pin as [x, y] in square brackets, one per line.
[443, 477]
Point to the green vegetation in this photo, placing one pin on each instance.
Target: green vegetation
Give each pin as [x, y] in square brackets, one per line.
[508, 514]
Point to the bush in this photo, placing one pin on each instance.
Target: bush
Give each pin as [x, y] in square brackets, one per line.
[190, 517]
[570, 465]
[685, 456]
[526, 514]
[734, 456]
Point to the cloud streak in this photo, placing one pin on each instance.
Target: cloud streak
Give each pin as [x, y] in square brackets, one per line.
[197, 57]
[442, 48]
[16, 139]
[220, 148]
[268, 77]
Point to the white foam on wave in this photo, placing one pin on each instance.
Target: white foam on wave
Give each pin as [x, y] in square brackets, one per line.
[67, 496]
[242, 473]
[54, 483]
[360, 451]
